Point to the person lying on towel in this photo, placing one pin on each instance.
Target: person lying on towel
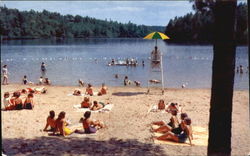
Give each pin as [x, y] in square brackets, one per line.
[97, 106]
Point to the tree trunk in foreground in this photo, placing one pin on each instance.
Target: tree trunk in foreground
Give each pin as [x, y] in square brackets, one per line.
[219, 142]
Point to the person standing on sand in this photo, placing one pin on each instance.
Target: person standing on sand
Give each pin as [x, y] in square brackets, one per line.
[5, 75]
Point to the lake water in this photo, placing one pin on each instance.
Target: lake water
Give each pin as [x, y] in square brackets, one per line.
[69, 60]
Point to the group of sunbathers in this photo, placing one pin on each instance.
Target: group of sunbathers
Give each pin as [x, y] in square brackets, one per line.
[174, 130]
[59, 125]
[42, 81]
[89, 91]
[15, 102]
[86, 103]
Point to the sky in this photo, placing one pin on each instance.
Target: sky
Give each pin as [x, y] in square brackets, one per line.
[151, 13]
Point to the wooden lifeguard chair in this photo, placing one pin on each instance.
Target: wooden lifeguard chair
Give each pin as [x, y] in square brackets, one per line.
[156, 70]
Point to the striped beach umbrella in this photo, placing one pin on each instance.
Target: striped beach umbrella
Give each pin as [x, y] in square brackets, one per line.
[156, 35]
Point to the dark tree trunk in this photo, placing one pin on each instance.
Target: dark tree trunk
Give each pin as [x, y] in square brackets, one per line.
[219, 142]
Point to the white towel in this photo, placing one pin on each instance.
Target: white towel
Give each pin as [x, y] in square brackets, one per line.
[94, 94]
[107, 108]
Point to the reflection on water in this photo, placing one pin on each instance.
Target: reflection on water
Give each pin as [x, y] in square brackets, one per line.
[69, 60]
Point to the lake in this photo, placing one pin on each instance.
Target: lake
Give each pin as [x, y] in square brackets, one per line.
[69, 60]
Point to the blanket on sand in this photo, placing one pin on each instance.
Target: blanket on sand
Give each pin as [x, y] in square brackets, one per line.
[107, 108]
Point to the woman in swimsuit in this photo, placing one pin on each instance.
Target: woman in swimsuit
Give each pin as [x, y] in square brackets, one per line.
[50, 121]
[89, 90]
[103, 90]
[28, 103]
[182, 137]
[25, 80]
[166, 127]
[61, 125]
[18, 101]
[177, 130]
[89, 125]
[86, 103]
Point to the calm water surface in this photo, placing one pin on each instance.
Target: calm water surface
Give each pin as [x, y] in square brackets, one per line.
[87, 59]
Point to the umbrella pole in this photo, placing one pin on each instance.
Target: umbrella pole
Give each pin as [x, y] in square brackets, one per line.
[156, 42]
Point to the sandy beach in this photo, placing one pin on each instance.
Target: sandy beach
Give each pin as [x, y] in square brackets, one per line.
[127, 131]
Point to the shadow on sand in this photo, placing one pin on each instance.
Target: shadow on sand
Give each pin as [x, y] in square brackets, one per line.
[127, 93]
[78, 146]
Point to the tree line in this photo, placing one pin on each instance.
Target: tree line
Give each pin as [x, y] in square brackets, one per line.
[199, 27]
[15, 24]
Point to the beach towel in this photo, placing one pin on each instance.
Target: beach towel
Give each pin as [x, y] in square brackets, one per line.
[200, 137]
[155, 109]
[94, 94]
[107, 108]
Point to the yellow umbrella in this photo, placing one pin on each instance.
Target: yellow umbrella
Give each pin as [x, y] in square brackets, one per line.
[156, 35]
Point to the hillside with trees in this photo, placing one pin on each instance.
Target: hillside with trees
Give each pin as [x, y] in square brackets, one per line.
[15, 24]
[198, 27]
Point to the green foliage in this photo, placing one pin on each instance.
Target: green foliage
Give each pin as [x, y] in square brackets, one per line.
[45, 24]
[198, 27]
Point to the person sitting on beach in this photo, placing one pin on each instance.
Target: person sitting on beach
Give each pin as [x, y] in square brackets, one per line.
[182, 137]
[47, 81]
[17, 101]
[60, 125]
[81, 83]
[25, 80]
[86, 103]
[7, 102]
[103, 90]
[89, 125]
[89, 90]
[97, 106]
[172, 107]
[176, 130]
[137, 83]
[28, 103]
[77, 92]
[40, 80]
[50, 121]
[173, 121]
[161, 105]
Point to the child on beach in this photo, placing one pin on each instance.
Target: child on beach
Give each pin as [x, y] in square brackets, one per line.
[47, 81]
[28, 103]
[60, 125]
[50, 121]
[40, 80]
[6, 102]
[103, 90]
[86, 103]
[25, 80]
[183, 136]
[89, 125]
[89, 90]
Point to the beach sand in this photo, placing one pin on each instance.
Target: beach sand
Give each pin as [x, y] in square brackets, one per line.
[127, 131]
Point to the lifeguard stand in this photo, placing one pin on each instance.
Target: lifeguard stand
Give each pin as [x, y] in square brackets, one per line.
[156, 70]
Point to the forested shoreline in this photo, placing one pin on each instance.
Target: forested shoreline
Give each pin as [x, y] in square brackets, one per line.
[189, 29]
[198, 27]
[31, 24]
